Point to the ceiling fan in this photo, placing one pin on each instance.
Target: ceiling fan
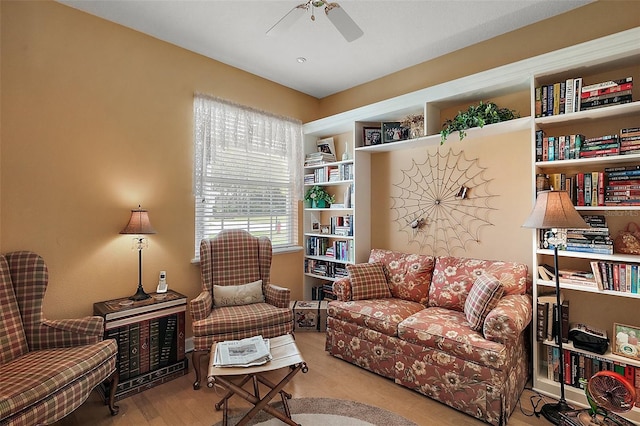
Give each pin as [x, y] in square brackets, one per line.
[336, 14]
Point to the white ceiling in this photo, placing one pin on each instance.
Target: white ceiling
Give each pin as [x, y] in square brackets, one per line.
[397, 34]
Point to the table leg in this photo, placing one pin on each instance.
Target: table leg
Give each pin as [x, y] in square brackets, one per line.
[229, 393]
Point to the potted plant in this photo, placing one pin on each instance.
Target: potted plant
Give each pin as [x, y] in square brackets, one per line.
[318, 196]
[476, 116]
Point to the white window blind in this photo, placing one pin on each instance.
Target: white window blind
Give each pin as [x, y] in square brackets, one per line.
[246, 172]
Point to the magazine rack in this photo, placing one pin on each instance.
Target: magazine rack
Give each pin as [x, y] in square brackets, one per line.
[285, 353]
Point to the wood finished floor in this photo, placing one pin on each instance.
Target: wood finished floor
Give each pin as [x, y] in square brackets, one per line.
[176, 403]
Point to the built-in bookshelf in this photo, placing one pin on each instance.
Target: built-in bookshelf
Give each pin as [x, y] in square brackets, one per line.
[515, 86]
[581, 151]
[329, 231]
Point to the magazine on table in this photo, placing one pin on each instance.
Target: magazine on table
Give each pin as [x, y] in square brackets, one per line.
[242, 353]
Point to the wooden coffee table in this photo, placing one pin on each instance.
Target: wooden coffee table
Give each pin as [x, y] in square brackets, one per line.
[285, 354]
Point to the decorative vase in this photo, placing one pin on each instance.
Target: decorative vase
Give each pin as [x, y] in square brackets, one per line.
[307, 204]
[416, 131]
[346, 155]
[319, 204]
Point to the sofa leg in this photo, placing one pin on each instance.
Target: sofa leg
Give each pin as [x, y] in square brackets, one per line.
[114, 379]
[195, 360]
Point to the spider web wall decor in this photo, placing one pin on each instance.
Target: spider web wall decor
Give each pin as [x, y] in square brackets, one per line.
[443, 202]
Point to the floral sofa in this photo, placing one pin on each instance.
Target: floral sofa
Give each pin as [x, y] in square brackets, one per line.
[451, 328]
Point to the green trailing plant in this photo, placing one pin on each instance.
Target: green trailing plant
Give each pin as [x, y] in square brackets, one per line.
[317, 193]
[476, 116]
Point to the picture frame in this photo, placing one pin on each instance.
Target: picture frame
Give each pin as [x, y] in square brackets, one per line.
[372, 136]
[327, 146]
[626, 341]
[325, 229]
[392, 131]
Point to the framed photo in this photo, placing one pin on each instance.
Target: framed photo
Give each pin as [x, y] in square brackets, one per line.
[625, 341]
[393, 132]
[326, 146]
[325, 229]
[372, 136]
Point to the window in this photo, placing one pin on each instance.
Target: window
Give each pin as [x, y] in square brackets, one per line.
[246, 172]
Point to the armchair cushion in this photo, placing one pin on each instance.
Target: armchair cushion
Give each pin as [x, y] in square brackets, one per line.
[483, 297]
[230, 319]
[234, 295]
[368, 281]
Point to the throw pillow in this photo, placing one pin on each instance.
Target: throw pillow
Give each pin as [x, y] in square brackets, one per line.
[235, 295]
[483, 297]
[368, 281]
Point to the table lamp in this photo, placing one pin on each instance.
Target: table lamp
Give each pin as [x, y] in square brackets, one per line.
[139, 225]
[554, 210]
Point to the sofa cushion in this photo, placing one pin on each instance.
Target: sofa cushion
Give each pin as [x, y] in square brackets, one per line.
[408, 275]
[453, 278]
[368, 281]
[483, 297]
[449, 332]
[382, 315]
[13, 342]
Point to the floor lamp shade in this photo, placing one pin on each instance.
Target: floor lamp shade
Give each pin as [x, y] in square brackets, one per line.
[139, 224]
[554, 210]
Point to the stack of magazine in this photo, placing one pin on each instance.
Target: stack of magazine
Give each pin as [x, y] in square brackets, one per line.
[242, 353]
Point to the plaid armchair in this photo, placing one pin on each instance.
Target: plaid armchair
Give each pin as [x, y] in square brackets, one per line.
[48, 368]
[234, 258]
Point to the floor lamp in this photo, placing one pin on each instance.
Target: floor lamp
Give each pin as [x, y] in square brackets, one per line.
[554, 210]
[139, 225]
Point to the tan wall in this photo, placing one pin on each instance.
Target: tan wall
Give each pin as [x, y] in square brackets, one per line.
[500, 194]
[97, 119]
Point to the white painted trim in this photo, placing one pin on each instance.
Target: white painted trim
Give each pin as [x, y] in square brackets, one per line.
[514, 76]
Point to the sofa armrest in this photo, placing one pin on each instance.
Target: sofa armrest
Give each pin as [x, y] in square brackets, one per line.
[200, 307]
[66, 333]
[509, 319]
[277, 296]
[342, 289]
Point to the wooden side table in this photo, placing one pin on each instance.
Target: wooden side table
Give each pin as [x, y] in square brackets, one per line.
[151, 340]
[285, 353]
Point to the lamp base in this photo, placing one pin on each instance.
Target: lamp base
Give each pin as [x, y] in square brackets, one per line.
[552, 412]
[140, 295]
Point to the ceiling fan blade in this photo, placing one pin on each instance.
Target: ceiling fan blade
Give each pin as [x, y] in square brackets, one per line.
[288, 20]
[343, 22]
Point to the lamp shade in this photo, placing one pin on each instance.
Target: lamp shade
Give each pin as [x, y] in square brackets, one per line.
[554, 209]
[138, 223]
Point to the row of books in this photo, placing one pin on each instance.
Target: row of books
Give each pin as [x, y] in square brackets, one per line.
[341, 225]
[323, 292]
[579, 367]
[317, 246]
[546, 318]
[148, 345]
[325, 269]
[318, 158]
[570, 147]
[571, 95]
[341, 250]
[617, 186]
[595, 239]
[338, 173]
[616, 276]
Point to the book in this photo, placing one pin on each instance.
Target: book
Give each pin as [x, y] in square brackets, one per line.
[144, 347]
[541, 321]
[134, 350]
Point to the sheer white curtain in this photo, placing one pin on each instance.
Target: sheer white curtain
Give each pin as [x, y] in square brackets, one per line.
[247, 171]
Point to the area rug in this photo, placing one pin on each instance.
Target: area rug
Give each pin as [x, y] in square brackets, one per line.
[328, 411]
